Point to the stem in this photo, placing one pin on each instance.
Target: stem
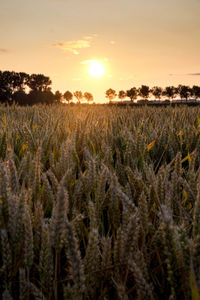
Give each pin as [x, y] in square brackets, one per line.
[56, 275]
[28, 280]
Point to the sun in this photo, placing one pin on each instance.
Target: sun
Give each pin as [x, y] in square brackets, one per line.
[96, 69]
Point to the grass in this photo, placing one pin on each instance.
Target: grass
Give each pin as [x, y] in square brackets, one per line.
[99, 202]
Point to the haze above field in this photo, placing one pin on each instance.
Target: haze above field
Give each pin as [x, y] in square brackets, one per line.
[153, 42]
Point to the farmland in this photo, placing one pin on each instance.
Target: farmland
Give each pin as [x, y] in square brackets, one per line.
[99, 202]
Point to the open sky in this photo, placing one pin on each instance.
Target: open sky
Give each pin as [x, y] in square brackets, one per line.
[153, 42]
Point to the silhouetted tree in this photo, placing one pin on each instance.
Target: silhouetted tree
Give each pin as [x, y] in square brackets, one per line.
[10, 83]
[122, 95]
[48, 97]
[132, 93]
[39, 82]
[5, 89]
[13, 88]
[170, 92]
[9, 80]
[19, 81]
[196, 91]
[88, 96]
[20, 97]
[36, 97]
[184, 91]
[13, 85]
[23, 80]
[68, 96]
[144, 91]
[111, 94]
[157, 92]
[78, 95]
[58, 96]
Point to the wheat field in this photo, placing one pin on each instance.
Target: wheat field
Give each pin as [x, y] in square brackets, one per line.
[99, 202]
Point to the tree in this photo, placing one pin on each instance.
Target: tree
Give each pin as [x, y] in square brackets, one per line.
[144, 91]
[170, 92]
[23, 80]
[157, 92]
[13, 85]
[19, 81]
[196, 91]
[39, 82]
[5, 89]
[78, 95]
[9, 84]
[122, 95]
[111, 94]
[184, 91]
[88, 96]
[132, 93]
[45, 97]
[68, 96]
[58, 96]
[20, 97]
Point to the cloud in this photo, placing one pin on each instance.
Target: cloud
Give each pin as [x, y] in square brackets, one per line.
[194, 74]
[3, 50]
[74, 46]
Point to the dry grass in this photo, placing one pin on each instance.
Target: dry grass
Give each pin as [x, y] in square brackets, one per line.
[99, 203]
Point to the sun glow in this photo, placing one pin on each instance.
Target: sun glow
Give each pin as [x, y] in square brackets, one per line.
[96, 69]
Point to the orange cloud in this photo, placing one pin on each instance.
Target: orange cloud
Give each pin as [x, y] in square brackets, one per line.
[3, 50]
[74, 46]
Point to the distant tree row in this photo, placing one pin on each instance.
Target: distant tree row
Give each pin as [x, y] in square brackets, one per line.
[26, 89]
[68, 96]
[145, 92]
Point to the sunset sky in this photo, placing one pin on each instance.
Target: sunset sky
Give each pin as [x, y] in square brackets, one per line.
[153, 42]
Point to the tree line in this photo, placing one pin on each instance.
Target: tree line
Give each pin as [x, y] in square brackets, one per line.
[145, 92]
[25, 89]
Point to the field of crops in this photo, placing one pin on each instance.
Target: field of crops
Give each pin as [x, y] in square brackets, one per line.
[99, 203]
